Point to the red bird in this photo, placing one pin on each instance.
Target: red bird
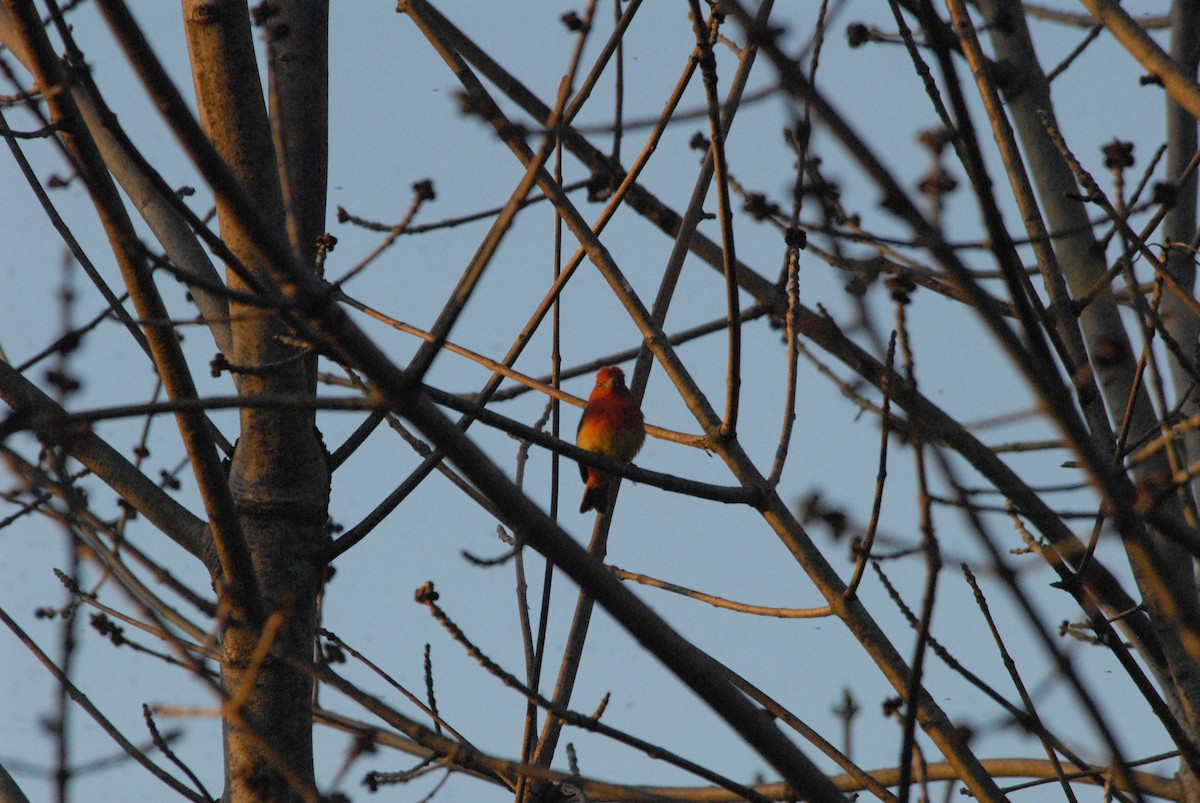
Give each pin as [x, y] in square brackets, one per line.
[612, 425]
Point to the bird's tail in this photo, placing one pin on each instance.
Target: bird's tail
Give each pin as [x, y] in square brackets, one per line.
[595, 494]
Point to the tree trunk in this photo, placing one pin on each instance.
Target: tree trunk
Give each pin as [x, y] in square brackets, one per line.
[278, 477]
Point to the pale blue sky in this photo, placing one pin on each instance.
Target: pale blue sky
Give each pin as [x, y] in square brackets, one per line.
[394, 121]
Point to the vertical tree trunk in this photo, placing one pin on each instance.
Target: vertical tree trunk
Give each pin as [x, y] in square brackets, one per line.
[278, 475]
[1180, 227]
[1162, 569]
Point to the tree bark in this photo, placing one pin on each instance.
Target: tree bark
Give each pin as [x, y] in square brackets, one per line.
[278, 476]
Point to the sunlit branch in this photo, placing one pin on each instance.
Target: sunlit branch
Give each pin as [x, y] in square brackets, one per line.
[719, 602]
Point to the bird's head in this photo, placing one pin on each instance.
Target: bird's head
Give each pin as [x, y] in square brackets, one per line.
[610, 376]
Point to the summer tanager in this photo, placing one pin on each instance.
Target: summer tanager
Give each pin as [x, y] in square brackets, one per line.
[612, 425]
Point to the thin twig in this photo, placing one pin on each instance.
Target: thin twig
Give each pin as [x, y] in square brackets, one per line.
[719, 602]
[80, 699]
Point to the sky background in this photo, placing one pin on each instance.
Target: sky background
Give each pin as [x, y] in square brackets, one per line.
[394, 120]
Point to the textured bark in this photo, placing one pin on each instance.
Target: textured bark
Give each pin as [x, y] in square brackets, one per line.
[1179, 228]
[1163, 570]
[278, 474]
[297, 35]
